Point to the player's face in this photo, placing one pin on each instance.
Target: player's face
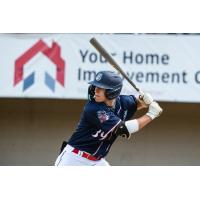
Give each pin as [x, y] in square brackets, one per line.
[100, 95]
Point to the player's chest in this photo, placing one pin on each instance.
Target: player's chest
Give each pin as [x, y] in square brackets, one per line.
[121, 112]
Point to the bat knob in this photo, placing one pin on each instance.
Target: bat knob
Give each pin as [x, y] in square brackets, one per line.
[141, 94]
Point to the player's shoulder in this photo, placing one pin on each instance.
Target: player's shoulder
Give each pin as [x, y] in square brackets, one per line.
[93, 106]
[127, 99]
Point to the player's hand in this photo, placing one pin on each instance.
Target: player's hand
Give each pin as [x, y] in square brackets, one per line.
[154, 110]
[146, 98]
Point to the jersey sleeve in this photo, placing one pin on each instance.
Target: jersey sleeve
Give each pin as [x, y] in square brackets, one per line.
[102, 118]
[129, 103]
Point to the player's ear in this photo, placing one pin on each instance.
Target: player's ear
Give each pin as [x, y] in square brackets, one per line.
[91, 92]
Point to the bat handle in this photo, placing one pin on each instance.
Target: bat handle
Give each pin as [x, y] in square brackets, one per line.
[141, 94]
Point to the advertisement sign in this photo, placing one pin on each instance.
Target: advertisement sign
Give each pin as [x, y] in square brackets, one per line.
[61, 65]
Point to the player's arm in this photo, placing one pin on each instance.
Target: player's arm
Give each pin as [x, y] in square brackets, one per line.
[131, 126]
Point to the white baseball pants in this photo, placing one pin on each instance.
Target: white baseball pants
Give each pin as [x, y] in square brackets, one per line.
[68, 158]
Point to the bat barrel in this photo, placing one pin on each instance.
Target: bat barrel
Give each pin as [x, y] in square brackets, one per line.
[109, 58]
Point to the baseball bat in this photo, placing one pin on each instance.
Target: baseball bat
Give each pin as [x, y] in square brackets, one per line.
[109, 58]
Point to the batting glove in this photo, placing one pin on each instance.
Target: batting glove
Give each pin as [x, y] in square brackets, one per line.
[154, 110]
[146, 98]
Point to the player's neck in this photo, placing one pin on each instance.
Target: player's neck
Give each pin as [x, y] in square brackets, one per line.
[110, 103]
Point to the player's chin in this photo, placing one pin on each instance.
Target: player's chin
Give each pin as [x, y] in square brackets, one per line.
[98, 100]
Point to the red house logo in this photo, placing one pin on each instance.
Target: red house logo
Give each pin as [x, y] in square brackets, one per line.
[53, 54]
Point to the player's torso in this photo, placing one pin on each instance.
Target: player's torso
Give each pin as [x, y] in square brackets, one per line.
[96, 129]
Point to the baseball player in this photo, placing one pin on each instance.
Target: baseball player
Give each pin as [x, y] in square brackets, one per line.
[106, 115]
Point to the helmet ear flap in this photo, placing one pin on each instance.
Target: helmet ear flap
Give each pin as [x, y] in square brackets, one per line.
[113, 93]
[108, 94]
[91, 92]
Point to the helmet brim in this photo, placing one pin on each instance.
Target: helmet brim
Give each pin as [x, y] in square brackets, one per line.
[100, 85]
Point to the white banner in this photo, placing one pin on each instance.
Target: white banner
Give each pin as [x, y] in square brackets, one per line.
[61, 65]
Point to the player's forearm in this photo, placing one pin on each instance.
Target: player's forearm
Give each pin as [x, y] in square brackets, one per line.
[143, 121]
[136, 124]
[132, 126]
[154, 111]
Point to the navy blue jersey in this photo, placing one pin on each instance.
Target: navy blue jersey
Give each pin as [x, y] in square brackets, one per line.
[96, 129]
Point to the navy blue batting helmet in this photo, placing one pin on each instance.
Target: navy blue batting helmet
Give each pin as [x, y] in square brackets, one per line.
[110, 81]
